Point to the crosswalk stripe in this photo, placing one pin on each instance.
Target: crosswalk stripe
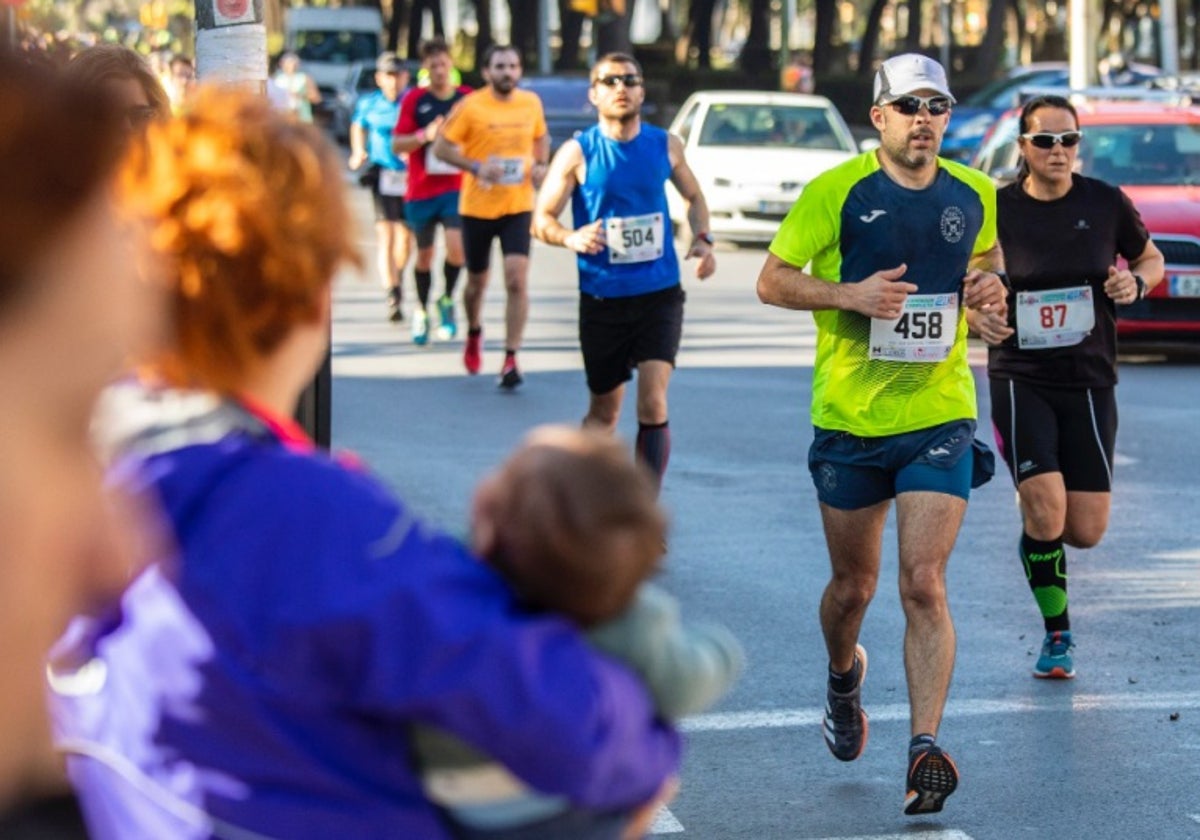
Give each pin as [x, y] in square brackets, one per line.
[665, 823]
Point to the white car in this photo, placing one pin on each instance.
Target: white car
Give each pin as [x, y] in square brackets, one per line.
[753, 152]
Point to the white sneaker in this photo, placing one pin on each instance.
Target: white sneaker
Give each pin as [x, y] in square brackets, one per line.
[420, 327]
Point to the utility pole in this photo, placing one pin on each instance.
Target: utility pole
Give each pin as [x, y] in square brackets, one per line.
[231, 48]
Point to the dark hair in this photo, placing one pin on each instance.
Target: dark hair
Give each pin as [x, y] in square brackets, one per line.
[60, 140]
[432, 47]
[1049, 100]
[105, 62]
[614, 58]
[499, 48]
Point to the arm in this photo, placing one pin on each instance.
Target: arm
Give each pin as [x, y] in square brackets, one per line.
[686, 666]
[310, 90]
[409, 136]
[881, 295]
[1150, 265]
[541, 154]
[358, 145]
[983, 289]
[697, 208]
[563, 176]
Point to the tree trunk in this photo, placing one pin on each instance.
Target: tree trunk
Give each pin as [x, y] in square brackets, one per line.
[700, 30]
[827, 16]
[912, 38]
[993, 40]
[570, 33]
[612, 33]
[870, 40]
[524, 16]
[755, 59]
[484, 38]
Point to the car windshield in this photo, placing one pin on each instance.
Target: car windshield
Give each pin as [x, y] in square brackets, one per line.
[771, 126]
[336, 47]
[1142, 155]
[1002, 92]
[559, 95]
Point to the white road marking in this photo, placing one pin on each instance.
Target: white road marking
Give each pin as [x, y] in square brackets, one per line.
[791, 718]
[1195, 817]
[665, 823]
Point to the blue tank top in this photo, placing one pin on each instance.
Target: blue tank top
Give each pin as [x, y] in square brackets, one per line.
[625, 187]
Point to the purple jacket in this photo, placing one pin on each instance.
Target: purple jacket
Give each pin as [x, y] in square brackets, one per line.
[263, 685]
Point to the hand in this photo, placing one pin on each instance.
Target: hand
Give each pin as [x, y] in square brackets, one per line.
[357, 158]
[431, 130]
[1120, 285]
[983, 291]
[538, 174]
[992, 328]
[708, 261]
[589, 239]
[882, 295]
[490, 172]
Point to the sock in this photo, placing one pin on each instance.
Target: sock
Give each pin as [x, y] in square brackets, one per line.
[510, 359]
[653, 446]
[475, 331]
[847, 682]
[424, 283]
[450, 274]
[920, 742]
[394, 293]
[1046, 568]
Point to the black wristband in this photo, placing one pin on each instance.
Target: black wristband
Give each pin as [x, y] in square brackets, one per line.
[1141, 286]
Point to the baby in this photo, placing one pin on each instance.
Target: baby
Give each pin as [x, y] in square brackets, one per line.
[574, 526]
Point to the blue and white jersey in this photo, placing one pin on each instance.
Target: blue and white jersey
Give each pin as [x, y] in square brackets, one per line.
[377, 115]
[624, 186]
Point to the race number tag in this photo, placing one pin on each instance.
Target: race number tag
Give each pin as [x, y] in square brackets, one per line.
[393, 181]
[634, 239]
[1054, 317]
[513, 171]
[434, 165]
[924, 332]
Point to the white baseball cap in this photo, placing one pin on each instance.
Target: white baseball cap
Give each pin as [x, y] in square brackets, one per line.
[904, 74]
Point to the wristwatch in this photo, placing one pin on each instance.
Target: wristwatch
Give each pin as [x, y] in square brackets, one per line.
[704, 236]
[1141, 286]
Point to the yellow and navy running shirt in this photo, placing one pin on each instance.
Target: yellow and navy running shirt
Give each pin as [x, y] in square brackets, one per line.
[854, 220]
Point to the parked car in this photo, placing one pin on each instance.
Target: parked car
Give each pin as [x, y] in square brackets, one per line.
[565, 103]
[974, 115]
[753, 152]
[1151, 149]
[359, 81]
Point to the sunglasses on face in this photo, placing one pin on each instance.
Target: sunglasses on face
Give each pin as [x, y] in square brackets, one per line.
[909, 106]
[629, 80]
[1046, 140]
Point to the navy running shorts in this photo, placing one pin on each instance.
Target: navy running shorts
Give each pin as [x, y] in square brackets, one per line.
[617, 334]
[512, 230]
[852, 472]
[425, 214]
[1040, 429]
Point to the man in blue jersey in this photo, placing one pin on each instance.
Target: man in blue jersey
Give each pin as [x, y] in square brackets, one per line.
[631, 302]
[887, 250]
[387, 174]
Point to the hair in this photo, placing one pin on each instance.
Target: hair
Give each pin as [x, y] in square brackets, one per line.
[113, 62]
[432, 47]
[1027, 111]
[60, 142]
[578, 526]
[493, 49]
[614, 58]
[246, 210]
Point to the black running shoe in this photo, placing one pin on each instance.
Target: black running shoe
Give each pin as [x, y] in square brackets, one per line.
[510, 377]
[845, 722]
[394, 308]
[932, 777]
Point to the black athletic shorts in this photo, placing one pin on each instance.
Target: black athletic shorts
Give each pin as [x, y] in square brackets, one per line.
[616, 334]
[1041, 429]
[478, 234]
[388, 208]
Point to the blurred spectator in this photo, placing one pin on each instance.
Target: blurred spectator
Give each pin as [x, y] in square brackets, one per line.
[71, 310]
[127, 78]
[263, 682]
[181, 75]
[295, 88]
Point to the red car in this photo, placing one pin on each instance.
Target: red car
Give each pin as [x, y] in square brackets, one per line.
[1151, 149]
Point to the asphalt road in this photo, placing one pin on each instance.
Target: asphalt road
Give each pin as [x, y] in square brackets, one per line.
[1113, 754]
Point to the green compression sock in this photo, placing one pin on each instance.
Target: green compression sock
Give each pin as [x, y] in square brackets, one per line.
[1046, 568]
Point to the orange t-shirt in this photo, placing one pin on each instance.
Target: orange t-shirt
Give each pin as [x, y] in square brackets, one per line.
[486, 128]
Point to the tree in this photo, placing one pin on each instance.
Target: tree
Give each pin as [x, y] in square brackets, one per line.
[755, 58]
[570, 34]
[870, 39]
[700, 17]
[827, 16]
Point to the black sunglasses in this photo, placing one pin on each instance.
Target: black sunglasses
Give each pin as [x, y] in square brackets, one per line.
[909, 106]
[630, 80]
[1046, 140]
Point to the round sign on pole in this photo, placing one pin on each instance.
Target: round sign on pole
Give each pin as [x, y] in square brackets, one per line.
[232, 8]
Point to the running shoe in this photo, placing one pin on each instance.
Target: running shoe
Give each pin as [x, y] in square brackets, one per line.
[932, 777]
[447, 328]
[473, 353]
[1055, 663]
[420, 327]
[510, 377]
[845, 722]
[395, 312]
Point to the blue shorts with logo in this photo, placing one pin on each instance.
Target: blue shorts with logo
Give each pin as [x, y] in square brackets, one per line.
[424, 214]
[852, 472]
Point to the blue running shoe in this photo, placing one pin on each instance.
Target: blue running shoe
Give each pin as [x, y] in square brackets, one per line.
[845, 722]
[420, 327]
[1055, 663]
[447, 327]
